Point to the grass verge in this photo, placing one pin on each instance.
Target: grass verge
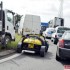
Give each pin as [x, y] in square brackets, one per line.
[14, 44]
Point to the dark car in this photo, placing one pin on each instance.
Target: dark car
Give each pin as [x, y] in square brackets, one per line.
[63, 47]
[33, 43]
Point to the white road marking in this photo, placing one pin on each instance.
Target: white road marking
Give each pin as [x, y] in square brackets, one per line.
[13, 56]
[9, 58]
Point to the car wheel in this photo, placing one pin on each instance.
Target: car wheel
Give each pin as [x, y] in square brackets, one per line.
[42, 51]
[19, 48]
[46, 47]
[57, 57]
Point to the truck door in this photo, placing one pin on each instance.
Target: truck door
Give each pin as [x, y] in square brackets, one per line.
[36, 25]
[9, 25]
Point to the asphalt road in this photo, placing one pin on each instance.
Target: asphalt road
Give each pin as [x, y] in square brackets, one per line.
[31, 61]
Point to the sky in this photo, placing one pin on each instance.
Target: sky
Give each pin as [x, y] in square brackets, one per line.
[46, 9]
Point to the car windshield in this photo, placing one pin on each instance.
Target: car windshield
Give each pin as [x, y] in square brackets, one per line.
[66, 35]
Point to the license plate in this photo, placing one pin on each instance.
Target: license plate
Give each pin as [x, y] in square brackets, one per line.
[31, 46]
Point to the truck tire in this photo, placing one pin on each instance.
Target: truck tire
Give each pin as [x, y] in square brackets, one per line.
[42, 51]
[7, 39]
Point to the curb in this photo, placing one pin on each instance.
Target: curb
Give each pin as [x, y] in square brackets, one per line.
[5, 53]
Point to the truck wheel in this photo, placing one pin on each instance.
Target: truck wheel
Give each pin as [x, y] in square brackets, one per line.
[42, 51]
[7, 39]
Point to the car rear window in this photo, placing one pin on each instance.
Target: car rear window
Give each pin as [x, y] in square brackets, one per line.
[66, 35]
[62, 30]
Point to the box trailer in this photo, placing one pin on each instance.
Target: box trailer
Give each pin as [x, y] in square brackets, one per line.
[56, 22]
[31, 24]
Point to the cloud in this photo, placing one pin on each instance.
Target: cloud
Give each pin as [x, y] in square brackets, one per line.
[47, 9]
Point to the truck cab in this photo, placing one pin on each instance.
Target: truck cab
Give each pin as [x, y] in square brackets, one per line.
[7, 24]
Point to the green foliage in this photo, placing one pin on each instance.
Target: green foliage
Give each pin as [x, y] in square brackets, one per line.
[14, 44]
[17, 18]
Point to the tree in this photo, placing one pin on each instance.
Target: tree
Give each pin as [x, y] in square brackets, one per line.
[17, 18]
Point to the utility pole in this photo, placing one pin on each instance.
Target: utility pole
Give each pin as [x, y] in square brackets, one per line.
[60, 14]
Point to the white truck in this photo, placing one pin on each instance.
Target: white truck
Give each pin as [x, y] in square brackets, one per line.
[31, 24]
[7, 26]
[56, 22]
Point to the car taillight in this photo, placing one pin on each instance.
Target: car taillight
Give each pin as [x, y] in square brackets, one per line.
[61, 43]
